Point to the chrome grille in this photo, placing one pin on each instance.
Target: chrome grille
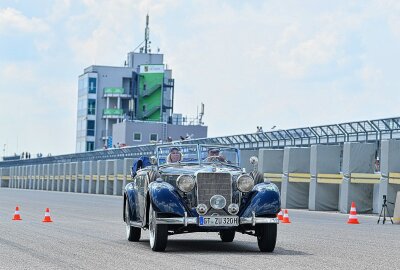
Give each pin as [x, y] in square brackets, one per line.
[210, 184]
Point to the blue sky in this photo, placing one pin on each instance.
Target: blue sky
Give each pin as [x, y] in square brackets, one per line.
[284, 63]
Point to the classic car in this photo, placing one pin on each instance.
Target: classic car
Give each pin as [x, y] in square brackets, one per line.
[200, 188]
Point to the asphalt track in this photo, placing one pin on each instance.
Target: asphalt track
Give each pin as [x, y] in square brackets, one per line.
[88, 233]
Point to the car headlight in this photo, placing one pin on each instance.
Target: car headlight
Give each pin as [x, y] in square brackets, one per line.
[245, 183]
[185, 183]
[217, 202]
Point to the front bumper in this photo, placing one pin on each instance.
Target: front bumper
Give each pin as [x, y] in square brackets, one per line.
[253, 220]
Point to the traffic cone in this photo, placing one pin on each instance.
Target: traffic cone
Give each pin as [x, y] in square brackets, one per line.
[16, 214]
[47, 217]
[286, 217]
[353, 215]
[280, 215]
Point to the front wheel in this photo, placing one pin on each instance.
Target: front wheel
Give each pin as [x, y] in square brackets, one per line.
[227, 236]
[266, 237]
[132, 233]
[158, 233]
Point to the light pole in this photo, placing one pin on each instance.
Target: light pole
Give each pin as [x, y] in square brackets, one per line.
[4, 150]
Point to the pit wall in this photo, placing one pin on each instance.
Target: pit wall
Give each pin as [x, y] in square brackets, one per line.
[296, 177]
[325, 177]
[309, 178]
[108, 177]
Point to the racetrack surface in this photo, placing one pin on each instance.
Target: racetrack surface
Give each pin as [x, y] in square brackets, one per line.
[88, 233]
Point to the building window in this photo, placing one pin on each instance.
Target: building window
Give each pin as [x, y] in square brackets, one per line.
[90, 128]
[153, 137]
[89, 146]
[137, 136]
[92, 85]
[91, 107]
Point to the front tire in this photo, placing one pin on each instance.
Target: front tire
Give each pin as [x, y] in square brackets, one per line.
[227, 236]
[132, 233]
[266, 237]
[158, 233]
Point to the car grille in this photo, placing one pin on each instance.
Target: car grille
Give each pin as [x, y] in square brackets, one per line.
[210, 184]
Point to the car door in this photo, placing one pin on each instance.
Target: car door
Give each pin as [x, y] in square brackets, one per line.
[142, 183]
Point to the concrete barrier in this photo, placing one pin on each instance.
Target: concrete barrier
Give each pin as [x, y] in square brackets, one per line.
[325, 177]
[396, 215]
[101, 176]
[119, 172]
[110, 174]
[296, 177]
[93, 177]
[5, 177]
[78, 177]
[358, 177]
[390, 178]
[46, 176]
[270, 164]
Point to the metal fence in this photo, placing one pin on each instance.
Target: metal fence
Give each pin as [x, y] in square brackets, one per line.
[359, 131]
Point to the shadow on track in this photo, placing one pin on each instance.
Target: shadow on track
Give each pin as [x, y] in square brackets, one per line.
[216, 246]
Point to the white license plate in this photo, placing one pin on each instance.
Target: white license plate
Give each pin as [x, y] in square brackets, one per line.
[219, 221]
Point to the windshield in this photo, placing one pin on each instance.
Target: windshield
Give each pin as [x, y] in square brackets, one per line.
[178, 154]
[223, 154]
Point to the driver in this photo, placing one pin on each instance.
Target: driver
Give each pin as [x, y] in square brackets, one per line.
[174, 155]
[214, 154]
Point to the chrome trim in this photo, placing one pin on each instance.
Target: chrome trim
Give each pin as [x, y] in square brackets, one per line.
[258, 220]
[177, 220]
[185, 219]
[136, 224]
[253, 216]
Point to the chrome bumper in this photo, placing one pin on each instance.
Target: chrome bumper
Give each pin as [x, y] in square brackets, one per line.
[194, 220]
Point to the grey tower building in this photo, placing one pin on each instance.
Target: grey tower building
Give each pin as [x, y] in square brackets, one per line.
[142, 90]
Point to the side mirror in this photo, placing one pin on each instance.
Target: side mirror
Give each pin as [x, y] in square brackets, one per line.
[254, 162]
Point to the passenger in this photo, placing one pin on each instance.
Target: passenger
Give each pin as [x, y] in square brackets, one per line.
[174, 155]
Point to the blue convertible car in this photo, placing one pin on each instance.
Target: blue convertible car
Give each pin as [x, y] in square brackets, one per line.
[199, 188]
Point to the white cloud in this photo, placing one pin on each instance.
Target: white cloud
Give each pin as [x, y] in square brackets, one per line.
[252, 64]
[13, 20]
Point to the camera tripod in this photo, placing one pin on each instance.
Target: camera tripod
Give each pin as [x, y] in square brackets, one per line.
[385, 211]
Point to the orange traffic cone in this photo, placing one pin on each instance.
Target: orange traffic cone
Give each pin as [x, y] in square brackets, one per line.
[47, 217]
[286, 217]
[353, 215]
[16, 214]
[280, 215]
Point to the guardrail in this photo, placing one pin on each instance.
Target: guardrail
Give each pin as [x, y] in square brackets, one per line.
[360, 131]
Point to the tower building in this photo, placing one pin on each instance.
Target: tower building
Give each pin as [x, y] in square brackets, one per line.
[141, 91]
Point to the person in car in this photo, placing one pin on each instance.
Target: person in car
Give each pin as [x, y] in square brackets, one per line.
[214, 154]
[174, 155]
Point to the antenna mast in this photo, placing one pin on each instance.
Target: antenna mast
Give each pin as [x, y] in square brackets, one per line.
[146, 34]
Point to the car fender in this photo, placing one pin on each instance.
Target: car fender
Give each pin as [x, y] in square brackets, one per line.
[264, 200]
[132, 200]
[165, 199]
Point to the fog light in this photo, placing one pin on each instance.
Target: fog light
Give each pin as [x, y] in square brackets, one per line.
[217, 202]
[201, 209]
[233, 209]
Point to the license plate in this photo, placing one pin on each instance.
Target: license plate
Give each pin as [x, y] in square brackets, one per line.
[219, 221]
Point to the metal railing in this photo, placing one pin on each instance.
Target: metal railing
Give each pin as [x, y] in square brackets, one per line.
[359, 131]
